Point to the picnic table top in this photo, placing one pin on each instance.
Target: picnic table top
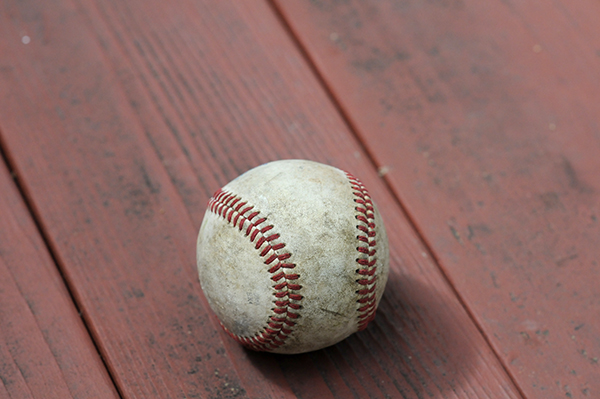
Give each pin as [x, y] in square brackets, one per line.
[473, 124]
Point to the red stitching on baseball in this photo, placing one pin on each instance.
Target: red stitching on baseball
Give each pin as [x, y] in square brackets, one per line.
[366, 259]
[229, 207]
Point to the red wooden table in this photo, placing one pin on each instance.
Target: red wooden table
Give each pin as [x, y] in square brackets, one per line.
[474, 124]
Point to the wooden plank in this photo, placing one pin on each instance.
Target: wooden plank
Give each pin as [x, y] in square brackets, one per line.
[485, 114]
[114, 221]
[124, 118]
[45, 349]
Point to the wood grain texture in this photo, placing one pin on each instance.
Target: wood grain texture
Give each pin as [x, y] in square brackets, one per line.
[45, 349]
[486, 115]
[122, 118]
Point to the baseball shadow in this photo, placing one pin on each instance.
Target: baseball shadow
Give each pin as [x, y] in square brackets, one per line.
[414, 347]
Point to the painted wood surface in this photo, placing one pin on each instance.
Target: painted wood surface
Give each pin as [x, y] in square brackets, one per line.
[485, 114]
[122, 117]
[45, 349]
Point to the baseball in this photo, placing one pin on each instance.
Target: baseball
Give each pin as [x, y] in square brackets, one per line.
[293, 256]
